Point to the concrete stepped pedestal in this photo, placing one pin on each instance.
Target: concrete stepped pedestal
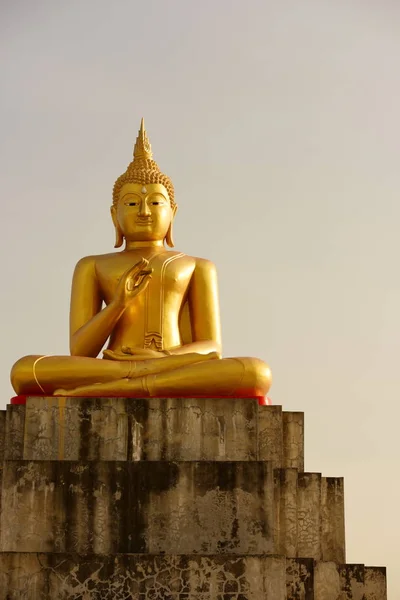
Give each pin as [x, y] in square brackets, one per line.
[172, 499]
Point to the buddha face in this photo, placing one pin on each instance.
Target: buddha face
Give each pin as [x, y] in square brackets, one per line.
[143, 212]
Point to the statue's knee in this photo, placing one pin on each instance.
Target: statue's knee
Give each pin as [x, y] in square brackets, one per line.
[22, 372]
[257, 375]
[263, 375]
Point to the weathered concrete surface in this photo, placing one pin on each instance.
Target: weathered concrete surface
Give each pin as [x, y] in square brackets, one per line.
[103, 507]
[40, 576]
[140, 429]
[75, 429]
[352, 582]
[14, 435]
[155, 429]
[197, 429]
[307, 579]
[309, 515]
[300, 579]
[375, 583]
[348, 582]
[293, 440]
[2, 433]
[221, 478]
[327, 581]
[270, 435]
[2, 447]
[332, 520]
[285, 513]
[141, 577]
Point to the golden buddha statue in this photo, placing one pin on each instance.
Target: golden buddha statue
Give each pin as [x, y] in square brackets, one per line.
[161, 313]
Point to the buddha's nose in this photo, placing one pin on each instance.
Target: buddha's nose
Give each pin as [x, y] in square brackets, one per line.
[144, 210]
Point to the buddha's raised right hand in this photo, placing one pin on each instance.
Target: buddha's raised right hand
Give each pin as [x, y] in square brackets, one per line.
[134, 281]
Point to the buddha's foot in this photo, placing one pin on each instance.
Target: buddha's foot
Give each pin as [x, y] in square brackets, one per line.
[136, 381]
[119, 387]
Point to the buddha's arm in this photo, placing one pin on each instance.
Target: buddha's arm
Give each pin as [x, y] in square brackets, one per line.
[90, 326]
[204, 311]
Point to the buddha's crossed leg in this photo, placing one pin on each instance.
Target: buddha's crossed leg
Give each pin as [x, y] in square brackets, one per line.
[246, 377]
[76, 375]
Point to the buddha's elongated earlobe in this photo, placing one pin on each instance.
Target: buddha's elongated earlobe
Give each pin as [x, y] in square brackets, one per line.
[169, 236]
[119, 238]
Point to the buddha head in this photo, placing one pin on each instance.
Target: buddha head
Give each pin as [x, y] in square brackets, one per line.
[143, 205]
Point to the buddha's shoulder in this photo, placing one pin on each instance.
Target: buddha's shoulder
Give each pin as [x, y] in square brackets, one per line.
[97, 261]
[202, 265]
[94, 259]
[196, 261]
[113, 258]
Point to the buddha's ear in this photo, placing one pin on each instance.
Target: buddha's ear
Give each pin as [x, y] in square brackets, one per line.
[169, 237]
[119, 238]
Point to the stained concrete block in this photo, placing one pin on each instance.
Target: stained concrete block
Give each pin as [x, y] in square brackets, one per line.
[300, 579]
[24, 576]
[14, 436]
[270, 435]
[332, 520]
[375, 583]
[103, 507]
[352, 582]
[157, 429]
[194, 429]
[141, 577]
[327, 582]
[348, 582]
[75, 429]
[140, 429]
[3, 414]
[285, 513]
[309, 515]
[293, 440]
[162, 478]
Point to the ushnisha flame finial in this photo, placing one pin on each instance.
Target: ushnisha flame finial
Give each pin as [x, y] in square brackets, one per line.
[143, 169]
[142, 147]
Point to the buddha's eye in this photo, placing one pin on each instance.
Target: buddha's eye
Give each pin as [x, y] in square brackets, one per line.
[131, 203]
[156, 203]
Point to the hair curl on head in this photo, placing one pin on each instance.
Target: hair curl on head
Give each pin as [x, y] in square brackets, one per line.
[143, 171]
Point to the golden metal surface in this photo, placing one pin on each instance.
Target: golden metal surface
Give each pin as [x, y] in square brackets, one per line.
[160, 315]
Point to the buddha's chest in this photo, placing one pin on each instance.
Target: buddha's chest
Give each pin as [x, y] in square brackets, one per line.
[169, 282]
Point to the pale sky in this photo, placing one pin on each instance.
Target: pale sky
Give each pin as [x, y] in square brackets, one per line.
[279, 125]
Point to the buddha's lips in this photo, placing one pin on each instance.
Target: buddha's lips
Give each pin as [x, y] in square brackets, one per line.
[144, 221]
